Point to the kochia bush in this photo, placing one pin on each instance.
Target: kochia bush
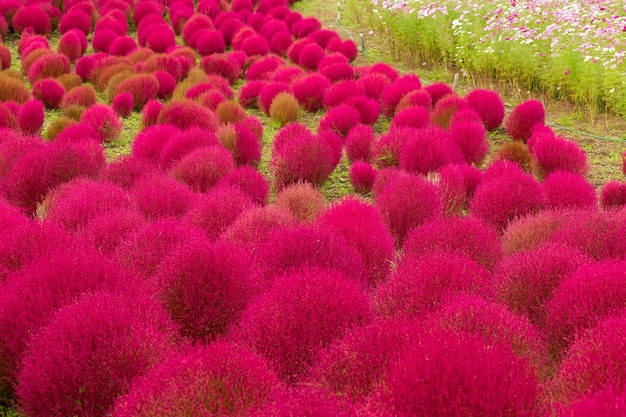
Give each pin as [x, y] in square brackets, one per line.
[489, 105]
[521, 121]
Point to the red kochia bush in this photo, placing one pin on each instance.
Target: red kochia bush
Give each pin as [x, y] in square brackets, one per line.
[528, 278]
[358, 221]
[32, 17]
[205, 286]
[595, 361]
[202, 168]
[445, 108]
[250, 181]
[471, 139]
[126, 335]
[70, 45]
[186, 114]
[593, 292]
[50, 65]
[158, 195]
[406, 202]
[362, 177]
[82, 95]
[216, 210]
[464, 236]
[359, 143]
[500, 200]
[429, 150]
[489, 105]
[340, 119]
[613, 195]
[218, 379]
[107, 231]
[31, 117]
[149, 143]
[145, 249]
[428, 376]
[418, 286]
[415, 117]
[551, 154]
[569, 190]
[303, 200]
[75, 19]
[53, 281]
[307, 402]
[182, 143]
[143, 88]
[609, 402]
[308, 309]
[253, 227]
[73, 204]
[523, 118]
[104, 120]
[38, 172]
[391, 95]
[123, 104]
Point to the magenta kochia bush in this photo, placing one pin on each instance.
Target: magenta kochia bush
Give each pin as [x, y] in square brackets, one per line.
[422, 283]
[359, 143]
[99, 344]
[520, 122]
[203, 168]
[36, 173]
[218, 209]
[387, 148]
[218, 379]
[340, 119]
[307, 402]
[595, 361]
[31, 117]
[56, 279]
[464, 236]
[250, 181]
[123, 104]
[358, 221]
[125, 170]
[551, 154]
[594, 291]
[569, 190]
[308, 310]
[296, 248]
[429, 150]
[73, 204]
[528, 278]
[362, 177]
[415, 117]
[391, 95]
[104, 119]
[205, 286]
[310, 90]
[609, 402]
[255, 225]
[489, 105]
[49, 91]
[175, 147]
[158, 195]
[496, 324]
[32, 17]
[186, 114]
[471, 139]
[499, 200]
[405, 202]
[428, 376]
[445, 108]
[144, 250]
[613, 195]
[107, 231]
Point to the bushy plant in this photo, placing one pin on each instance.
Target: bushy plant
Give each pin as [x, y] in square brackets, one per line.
[143, 88]
[302, 200]
[445, 108]
[242, 142]
[75, 18]
[125, 334]
[594, 291]
[429, 374]
[305, 317]
[338, 93]
[362, 177]
[515, 151]
[12, 89]
[392, 94]
[70, 45]
[149, 142]
[107, 231]
[150, 113]
[417, 285]
[608, 402]
[83, 96]
[489, 105]
[186, 114]
[521, 121]
[217, 210]
[307, 402]
[284, 108]
[250, 181]
[359, 143]
[528, 278]
[569, 190]
[471, 139]
[32, 17]
[374, 84]
[31, 117]
[613, 195]
[249, 92]
[429, 150]
[255, 225]
[158, 196]
[48, 66]
[340, 119]
[414, 117]
[551, 154]
[104, 120]
[123, 104]
[406, 202]
[218, 379]
[202, 168]
[533, 230]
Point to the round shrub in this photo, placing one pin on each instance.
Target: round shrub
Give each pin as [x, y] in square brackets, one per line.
[183, 143]
[250, 181]
[218, 379]
[143, 88]
[464, 236]
[520, 122]
[429, 150]
[471, 139]
[308, 310]
[249, 92]
[83, 96]
[569, 190]
[125, 335]
[428, 375]
[107, 231]
[406, 202]
[149, 142]
[75, 18]
[416, 286]
[551, 154]
[103, 38]
[187, 114]
[608, 402]
[242, 142]
[122, 46]
[158, 196]
[13, 89]
[438, 91]
[302, 200]
[338, 93]
[205, 286]
[391, 95]
[210, 42]
[594, 291]
[489, 105]
[514, 151]
[307, 402]
[359, 143]
[310, 56]
[230, 112]
[48, 66]
[373, 84]
[613, 195]
[31, 117]
[123, 104]
[104, 120]
[445, 108]
[33, 17]
[416, 98]
[362, 177]
[202, 168]
[70, 45]
[284, 108]
[49, 92]
[340, 119]
[253, 227]
[217, 210]
[528, 278]
[415, 117]
[500, 200]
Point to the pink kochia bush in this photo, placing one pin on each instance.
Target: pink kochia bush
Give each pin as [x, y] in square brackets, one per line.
[157, 195]
[218, 379]
[358, 222]
[609, 402]
[594, 362]
[250, 181]
[464, 236]
[31, 117]
[55, 280]
[38, 172]
[99, 344]
[307, 402]
[521, 121]
[428, 376]
[569, 190]
[489, 105]
[202, 168]
[107, 231]
[556, 153]
[205, 286]
[308, 309]
[180, 144]
[471, 139]
[405, 202]
[429, 150]
[529, 278]
[593, 292]
[49, 91]
[104, 120]
[362, 177]
[253, 227]
[418, 285]
[613, 195]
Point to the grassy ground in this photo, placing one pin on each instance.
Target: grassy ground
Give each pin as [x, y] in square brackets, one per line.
[604, 155]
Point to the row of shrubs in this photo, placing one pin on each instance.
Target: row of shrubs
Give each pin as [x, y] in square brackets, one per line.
[180, 280]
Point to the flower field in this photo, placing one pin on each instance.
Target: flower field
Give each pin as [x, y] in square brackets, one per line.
[209, 209]
[571, 50]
